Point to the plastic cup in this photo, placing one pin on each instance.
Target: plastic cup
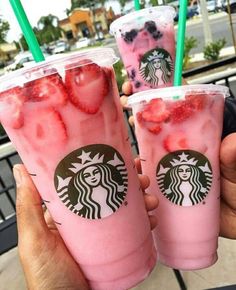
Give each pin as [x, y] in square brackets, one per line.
[179, 141]
[64, 118]
[146, 41]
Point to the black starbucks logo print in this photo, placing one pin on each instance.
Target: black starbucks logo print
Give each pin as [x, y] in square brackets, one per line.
[156, 67]
[184, 177]
[92, 181]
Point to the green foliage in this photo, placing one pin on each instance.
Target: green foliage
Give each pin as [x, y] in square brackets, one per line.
[4, 28]
[212, 50]
[153, 2]
[190, 43]
[118, 67]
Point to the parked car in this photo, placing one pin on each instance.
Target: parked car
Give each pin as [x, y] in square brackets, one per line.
[22, 59]
[60, 47]
[232, 6]
[214, 5]
[191, 12]
[83, 42]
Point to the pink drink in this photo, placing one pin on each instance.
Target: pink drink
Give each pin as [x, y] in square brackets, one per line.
[179, 133]
[146, 41]
[65, 120]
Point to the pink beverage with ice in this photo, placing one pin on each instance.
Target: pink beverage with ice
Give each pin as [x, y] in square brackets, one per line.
[179, 132]
[65, 120]
[146, 41]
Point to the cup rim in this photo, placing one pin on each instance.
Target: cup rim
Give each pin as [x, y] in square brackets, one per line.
[158, 10]
[57, 63]
[169, 93]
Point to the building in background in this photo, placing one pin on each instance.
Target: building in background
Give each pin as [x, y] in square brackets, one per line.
[83, 22]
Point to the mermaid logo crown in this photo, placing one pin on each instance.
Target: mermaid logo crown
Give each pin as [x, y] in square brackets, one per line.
[87, 160]
[156, 55]
[183, 160]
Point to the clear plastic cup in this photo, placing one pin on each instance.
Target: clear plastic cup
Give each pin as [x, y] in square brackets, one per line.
[179, 133]
[66, 122]
[146, 41]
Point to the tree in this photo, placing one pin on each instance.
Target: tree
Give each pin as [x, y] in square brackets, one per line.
[4, 28]
[48, 29]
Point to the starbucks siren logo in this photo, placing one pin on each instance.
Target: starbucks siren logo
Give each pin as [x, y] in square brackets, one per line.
[156, 67]
[92, 181]
[184, 177]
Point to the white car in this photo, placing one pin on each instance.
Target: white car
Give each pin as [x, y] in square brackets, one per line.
[83, 42]
[22, 59]
[60, 47]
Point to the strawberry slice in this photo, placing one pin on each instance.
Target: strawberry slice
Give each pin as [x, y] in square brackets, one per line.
[175, 141]
[155, 111]
[180, 111]
[152, 127]
[87, 87]
[45, 127]
[49, 88]
[13, 100]
[198, 102]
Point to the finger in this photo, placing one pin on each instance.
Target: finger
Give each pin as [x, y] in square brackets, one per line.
[227, 221]
[228, 157]
[131, 120]
[151, 202]
[228, 193]
[29, 211]
[123, 101]
[127, 88]
[137, 163]
[49, 220]
[153, 221]
[144, 181]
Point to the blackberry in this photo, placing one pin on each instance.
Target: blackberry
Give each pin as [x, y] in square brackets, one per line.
[130, 36]
[150, 26]
[137, 84]
[157, 35]
[133, 74]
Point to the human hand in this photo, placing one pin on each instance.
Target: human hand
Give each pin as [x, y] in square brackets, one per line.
[46, 262]
[228, 187]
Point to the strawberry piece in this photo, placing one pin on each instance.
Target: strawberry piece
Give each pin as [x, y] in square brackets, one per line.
[87, 87]
[155, 129]
[45, 127]
[180, 111]
[49, 88]
[176, 141]
[198, 102]
[152, 127]
[155, 111]
[14, 100]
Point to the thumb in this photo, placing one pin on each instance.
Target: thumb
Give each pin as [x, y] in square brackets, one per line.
[228, 157]
[29, 211]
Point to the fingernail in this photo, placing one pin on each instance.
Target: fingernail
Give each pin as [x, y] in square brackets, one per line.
[17, 176]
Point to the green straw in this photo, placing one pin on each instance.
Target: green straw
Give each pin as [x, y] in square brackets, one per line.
[136, 5]
[180, 43]
[27, 30]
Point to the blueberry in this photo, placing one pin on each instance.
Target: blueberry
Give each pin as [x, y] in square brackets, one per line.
[133, 74]
[137, 84]
[157, 35]
[130, 36]
[150, 26]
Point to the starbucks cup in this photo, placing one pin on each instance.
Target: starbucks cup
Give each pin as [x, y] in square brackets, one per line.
[146, 41]
[179, 134]
[64, 118]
